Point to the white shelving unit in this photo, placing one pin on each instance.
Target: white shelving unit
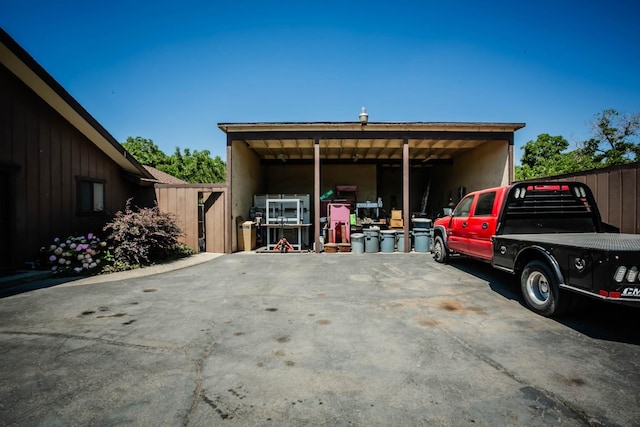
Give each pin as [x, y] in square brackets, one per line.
[285, 213]
[304, 216]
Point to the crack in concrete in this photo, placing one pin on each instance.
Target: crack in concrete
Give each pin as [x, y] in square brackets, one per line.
[541, 394]
[97, 340]
[198, 392]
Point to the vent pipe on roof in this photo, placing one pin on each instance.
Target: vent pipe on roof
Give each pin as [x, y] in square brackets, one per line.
[364, 117]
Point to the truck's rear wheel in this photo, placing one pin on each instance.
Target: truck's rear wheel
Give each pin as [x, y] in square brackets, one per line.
[440, 251]
[541, 292]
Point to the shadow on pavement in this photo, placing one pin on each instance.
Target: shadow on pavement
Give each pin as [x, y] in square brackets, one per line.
[9, 290]
[594, 318]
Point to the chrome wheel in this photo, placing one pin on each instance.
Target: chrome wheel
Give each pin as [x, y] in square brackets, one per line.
[541, 291]
[538, 288]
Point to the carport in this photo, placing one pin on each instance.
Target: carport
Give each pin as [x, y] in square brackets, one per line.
[400, 162]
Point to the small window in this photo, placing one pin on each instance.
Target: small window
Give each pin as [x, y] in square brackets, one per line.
[484, 207]
[464, 207]
[90, 195]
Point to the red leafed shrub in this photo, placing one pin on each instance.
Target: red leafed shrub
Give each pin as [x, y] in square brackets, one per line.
[143, 236]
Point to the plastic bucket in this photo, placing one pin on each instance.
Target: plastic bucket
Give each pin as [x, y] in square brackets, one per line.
[401, 241]
[372, 239]
[387, 240]
[421, 223]
[357, 243]
[421, 240]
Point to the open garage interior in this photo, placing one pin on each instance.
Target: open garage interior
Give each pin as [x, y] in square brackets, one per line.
[387, 174]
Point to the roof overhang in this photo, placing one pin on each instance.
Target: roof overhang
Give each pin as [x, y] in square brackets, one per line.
[23, 66]
[375, 141]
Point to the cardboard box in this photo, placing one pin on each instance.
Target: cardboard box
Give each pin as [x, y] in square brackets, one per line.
[396, 223]
[396, 214]
[248, 236]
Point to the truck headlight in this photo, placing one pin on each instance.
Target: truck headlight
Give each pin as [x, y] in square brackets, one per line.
[632, 274]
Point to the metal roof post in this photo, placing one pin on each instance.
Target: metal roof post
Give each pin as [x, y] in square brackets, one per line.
[316, 193]
[405, 193]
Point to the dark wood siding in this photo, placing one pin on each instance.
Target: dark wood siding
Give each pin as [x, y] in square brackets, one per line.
[617, 192]
[45, 154]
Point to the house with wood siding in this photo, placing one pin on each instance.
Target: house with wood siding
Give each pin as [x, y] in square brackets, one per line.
[61, 172]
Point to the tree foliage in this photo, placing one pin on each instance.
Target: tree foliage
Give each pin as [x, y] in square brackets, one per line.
[194, 167]
[145, 151]
[615, 138]
[197, 166]
[614, 141]
[546, 157]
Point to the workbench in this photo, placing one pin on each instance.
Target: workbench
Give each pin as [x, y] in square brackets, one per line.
[298, 227]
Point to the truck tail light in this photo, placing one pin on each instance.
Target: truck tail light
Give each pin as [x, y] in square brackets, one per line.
[620, 272]
[606, 294]
[631, 274]
[580, 192]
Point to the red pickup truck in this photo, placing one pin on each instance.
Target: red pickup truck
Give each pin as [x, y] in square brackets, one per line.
[552, 236]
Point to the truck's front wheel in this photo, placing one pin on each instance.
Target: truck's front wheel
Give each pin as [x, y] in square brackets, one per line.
[540, 290]
[440, 251]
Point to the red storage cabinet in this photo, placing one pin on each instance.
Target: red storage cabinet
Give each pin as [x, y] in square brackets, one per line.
[340, 213]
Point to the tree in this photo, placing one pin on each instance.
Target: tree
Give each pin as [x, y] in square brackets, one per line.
[198, 167]
[615, 138]
[546, 157]
[145, 151]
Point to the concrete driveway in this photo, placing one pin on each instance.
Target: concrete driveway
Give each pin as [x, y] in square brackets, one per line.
[307, 339]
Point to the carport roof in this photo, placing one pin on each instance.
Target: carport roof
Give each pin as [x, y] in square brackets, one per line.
[378, 141]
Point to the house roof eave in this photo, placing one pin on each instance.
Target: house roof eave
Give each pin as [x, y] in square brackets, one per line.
[21, 64]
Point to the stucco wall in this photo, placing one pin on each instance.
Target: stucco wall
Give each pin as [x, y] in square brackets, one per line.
[289, 179]
[246, 180]
[482, 167]
[364, 176]
[298, 179]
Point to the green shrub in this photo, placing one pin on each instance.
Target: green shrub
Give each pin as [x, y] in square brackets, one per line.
[142, 237]
[116, 266]
[181, 250]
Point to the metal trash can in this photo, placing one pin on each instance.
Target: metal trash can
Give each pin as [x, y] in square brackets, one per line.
[357, 243]
[421, 239]
[421, 223]
[372, 240]
[387, 240]
[400, 241]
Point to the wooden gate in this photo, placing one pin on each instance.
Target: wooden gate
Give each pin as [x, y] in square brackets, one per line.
[200, 211]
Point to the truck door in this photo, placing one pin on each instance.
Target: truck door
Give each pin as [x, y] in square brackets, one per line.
[458, 231]
[481, 225]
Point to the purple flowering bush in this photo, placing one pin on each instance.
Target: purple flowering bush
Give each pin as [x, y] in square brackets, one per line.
[134, 238]
[74, 255]
[143, 236]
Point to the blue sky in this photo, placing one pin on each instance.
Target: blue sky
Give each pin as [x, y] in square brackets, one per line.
[170, 71]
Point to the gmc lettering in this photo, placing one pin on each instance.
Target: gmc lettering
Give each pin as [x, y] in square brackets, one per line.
[631, 292]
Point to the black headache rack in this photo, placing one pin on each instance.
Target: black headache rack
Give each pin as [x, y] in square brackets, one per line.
[549, 207]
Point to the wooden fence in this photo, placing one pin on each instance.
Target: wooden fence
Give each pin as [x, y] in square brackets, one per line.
[616, 190]
[200, 211]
